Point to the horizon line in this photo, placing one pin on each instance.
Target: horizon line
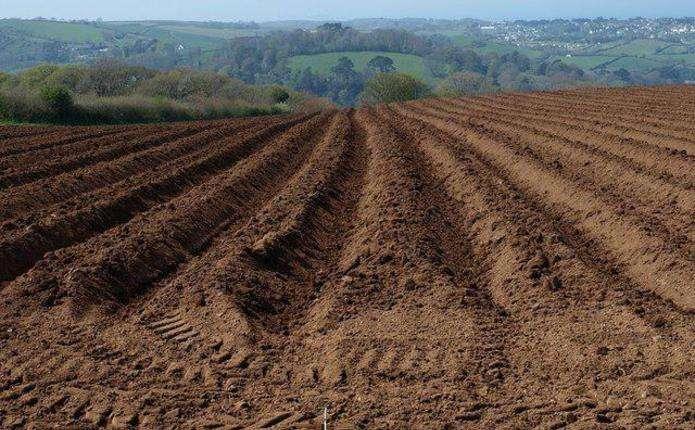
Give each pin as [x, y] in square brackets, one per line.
[318, 20]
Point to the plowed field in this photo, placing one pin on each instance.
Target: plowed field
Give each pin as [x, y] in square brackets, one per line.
[510, 261]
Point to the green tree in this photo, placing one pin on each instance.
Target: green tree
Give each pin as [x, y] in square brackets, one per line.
[393, 87]
[381, 64]
[345, 83]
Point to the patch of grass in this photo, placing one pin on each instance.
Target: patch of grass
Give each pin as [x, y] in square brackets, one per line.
[55, 30]
[634, 63]
[486, 47]
[322, 63]
[687, 59]
[217, 33]
[636, 48]
[585, 62]
[675, 50]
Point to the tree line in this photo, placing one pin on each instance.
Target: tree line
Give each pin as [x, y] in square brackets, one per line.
[112, 92]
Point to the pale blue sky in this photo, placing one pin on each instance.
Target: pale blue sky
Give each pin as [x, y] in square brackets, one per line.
[266, 10]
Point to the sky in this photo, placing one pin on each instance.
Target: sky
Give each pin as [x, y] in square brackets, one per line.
[270, 10]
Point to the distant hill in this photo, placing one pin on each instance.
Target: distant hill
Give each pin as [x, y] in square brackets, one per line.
[322, 63]
[509, 55]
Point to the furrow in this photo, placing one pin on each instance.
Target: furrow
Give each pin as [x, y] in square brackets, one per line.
[49, 191]
[297, 237]
[538, 269]
[124, 261]
[46, 165]
[608, 109]
[57, 138]
[8, 132]
[656, 206]
[50, 155]
[254, 247]
[647, 260]
[618, 101]
[82, 218]
[668, 167]
[672, 149]
[605, 117]
[402, 283]
[650, 97]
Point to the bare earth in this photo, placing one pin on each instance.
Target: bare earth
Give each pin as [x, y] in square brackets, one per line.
[511, 261]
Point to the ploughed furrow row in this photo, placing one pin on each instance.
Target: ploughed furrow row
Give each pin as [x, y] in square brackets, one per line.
[301, 234]
[48, 191]
[665, 97]
[58, 137]
[29, 237]
[629, 113]
[625, 125]
[656, 206]
[46, 165]
[647, 160]
[268, 262]
[647, 260]
[124, 261]
[672, 149]
[552, 284]
[625, 103]
[401, 306]
[12, 132]
[628, 156]
[578, 117]
[491, 199]
[53, 154]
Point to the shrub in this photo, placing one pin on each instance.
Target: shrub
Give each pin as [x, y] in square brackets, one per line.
[110, 92]
[17, 105]
[131, 109]
[34, 78]
[58, 100]
[393, 87]
[4, 112]
[464, 84]
[182, 84]
[278, 94]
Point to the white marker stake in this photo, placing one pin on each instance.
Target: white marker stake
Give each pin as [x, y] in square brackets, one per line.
[325, 418]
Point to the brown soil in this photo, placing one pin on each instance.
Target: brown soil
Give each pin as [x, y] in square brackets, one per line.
[510, 261]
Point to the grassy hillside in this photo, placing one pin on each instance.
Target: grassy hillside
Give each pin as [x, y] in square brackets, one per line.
[637, 48]
[489, 47]
[586, 61]
[322, 63]
[55, 30]
[639, 55]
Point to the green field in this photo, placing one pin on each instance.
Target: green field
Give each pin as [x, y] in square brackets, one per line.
[322, 63]
[636, 48]
[585, 62]
[53, 30]
[675, 50]
[634, 63]
[217, 33]
[486, 47]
